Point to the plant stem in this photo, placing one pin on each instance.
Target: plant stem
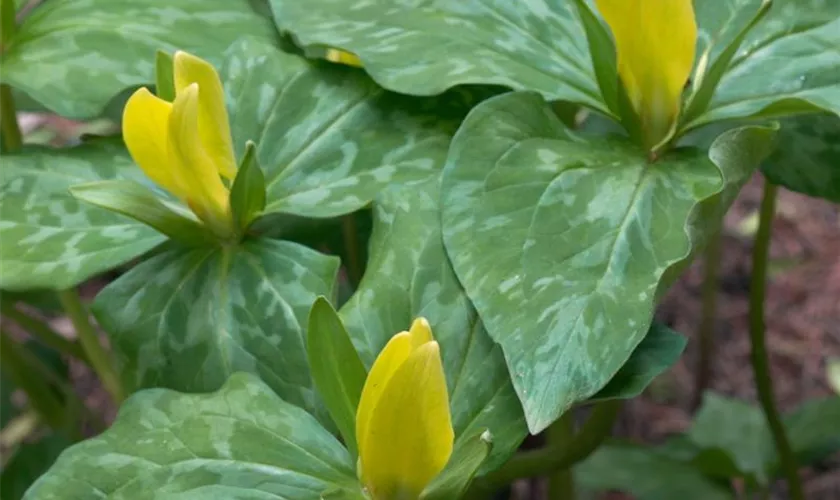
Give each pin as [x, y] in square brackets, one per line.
[12, 138]
[552, 458]
[99, 359]
[561, 483]
[706, 331]
[350, 233]
[758, 354]
[43, 332]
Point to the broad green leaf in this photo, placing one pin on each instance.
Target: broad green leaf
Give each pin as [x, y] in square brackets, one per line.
[657, 352]
[328, 138]
[733, 435]
[28, 463]
[785, 64]
[646, 475]
[456, 477]
[813, 430]
[807, 157]
[408, 276]
[564, 242]
[187, 319]
[48, 239]
[337, 371]
[425, 49]
[239, 442]
[68, 55]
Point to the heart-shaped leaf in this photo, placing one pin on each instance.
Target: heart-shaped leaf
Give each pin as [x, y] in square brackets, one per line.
[48, 239]
[791, 42]
[408, 275]
[187, 319]
[807, 157]
[425, 50]
[328, 138]
[563, 243]
[68, 55]
[239, 442]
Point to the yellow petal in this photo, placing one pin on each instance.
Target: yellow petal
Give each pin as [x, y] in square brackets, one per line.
[343, 57]
[391, 357]
[145, 131]
[420, 332]
[192, 167]
[655, 43]
[410, 436]
[213, 124]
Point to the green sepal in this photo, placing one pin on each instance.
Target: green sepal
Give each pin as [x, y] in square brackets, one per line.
[247, 196]
[140, 203]
[337, 370]
[164, 76]
[459, 472]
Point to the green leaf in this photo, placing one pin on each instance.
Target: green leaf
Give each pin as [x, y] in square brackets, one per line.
[328, 138]
[563, 242]
[68, 56]
[239, 442]
[28, 463]
[187, 319]
[657, 352]
[791, 43]
[48, 239]
[164, 76]
[813, 430]
[807, 157]
[144, 205]
[423, 51]
[247, 196]
[337, 371]
[733, 435]
[408, 275]
[646, 475]
[456, 477]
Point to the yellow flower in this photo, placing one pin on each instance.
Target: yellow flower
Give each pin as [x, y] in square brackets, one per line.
[185, 146]
[655, 43]
[343, 57]
[403, 425]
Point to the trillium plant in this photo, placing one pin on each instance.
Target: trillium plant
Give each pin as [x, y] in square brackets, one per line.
[362, 249]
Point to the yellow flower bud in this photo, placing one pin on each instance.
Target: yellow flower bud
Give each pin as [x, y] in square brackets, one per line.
[403, 424]
[655, 43]
[185, 146]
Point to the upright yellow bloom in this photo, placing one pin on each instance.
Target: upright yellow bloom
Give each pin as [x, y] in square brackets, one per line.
[403, 425]
[655, 43]
[185, 146]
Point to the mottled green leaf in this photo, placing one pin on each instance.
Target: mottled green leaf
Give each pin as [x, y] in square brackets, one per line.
[807, 156]
[657, 352]
[48, 239]
[337, 371]
[563, 243]
[408, 276]
[187, 319]
[786, 64]
[426, 49]
[240, 442]
[28, 463]
[456, 477]
[813, 430]
[646, 475]
[70, 56]
[733, 436]
[328, 138]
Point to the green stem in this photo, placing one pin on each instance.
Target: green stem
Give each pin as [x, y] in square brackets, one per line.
[99, 359]
[553, 458]
[561, 483]
[43, 332]
[758, 354]
[19, 365]
[350, 233]
[8, 22]
[12, 138]
[706, 330]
